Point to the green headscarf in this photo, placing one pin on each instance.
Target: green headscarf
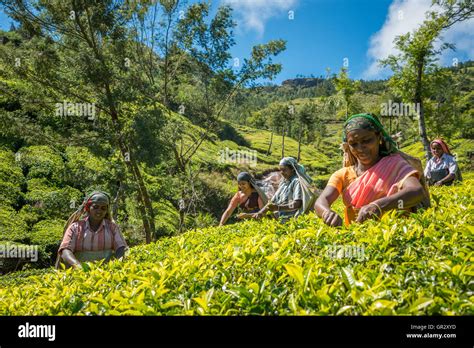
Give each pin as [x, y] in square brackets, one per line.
[99, 197]
[388, 147]
[371, 122]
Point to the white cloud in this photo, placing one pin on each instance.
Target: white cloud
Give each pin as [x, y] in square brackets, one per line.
[405, 16]
[461, 35]
[253, 14]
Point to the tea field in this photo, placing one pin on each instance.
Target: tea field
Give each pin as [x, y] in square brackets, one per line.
[416, 265]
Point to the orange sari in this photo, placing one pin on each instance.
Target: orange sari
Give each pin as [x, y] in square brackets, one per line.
[383, 179]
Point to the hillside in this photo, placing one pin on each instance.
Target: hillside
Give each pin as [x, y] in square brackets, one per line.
[39, 182]
[43, 184]
[418, 265]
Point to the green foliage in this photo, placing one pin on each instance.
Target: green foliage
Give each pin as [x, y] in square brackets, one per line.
[12, 227]
[48, 233]
[346, 88]
[85, 171]
[201, 220]
[166, 221]
[41, 162]
[30, 214]
[315, 160]
[11, 179]
[416, 265]
[45, 238]
[53, 202]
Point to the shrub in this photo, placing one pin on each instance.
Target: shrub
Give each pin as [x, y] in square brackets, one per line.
[53, 202]
[41, 162]
[30, 214]
[416, 265]
[11, 179]
[48, 234]
[12, 227]
[166, 219]
[85, 170]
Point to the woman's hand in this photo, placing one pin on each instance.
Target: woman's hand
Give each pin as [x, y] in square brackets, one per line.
[331, 218]
[243, 216]
[272, 206]
[70, 259]
[77, 266]
[368, 211]
[257, 215]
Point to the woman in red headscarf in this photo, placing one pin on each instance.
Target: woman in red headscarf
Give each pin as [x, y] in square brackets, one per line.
[442, 168]
[91, 234]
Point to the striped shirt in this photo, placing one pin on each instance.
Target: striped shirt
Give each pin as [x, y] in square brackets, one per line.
[288, 192]
[80, 237]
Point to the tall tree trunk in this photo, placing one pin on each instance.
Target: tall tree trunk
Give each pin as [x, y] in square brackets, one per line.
[283, 143]
[150, 215]
[147, 218]
[166, 70]
[116, 202]
[299, 145]
[270, 145]
[144, 203]
[182, 215]
[421, 117]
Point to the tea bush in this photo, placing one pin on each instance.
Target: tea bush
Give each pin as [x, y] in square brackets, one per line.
[12, 226]
[11, 179]
[54, 202]
[48, 234]
[416, 265]
[41, 162]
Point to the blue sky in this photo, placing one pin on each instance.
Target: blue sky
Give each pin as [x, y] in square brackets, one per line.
[322, 34]
[328, 33]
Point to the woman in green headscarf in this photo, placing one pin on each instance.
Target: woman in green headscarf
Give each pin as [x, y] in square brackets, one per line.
[376, 177]
[91, 234]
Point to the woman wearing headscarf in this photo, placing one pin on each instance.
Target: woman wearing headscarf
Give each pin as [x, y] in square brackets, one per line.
[90, 233]
[250, 198]
[442, 168]
[376, 177]
[294, 196]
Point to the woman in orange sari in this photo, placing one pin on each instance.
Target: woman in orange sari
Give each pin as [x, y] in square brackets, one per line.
[376, 176]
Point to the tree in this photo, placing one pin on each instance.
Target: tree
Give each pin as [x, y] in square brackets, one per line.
[94, 39]
[306, 117]
[346, 88]
[212, 82]
[415, 65]
[203, 79]
[280, 116]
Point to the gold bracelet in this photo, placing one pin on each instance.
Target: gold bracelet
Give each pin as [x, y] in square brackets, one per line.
[378, 207]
